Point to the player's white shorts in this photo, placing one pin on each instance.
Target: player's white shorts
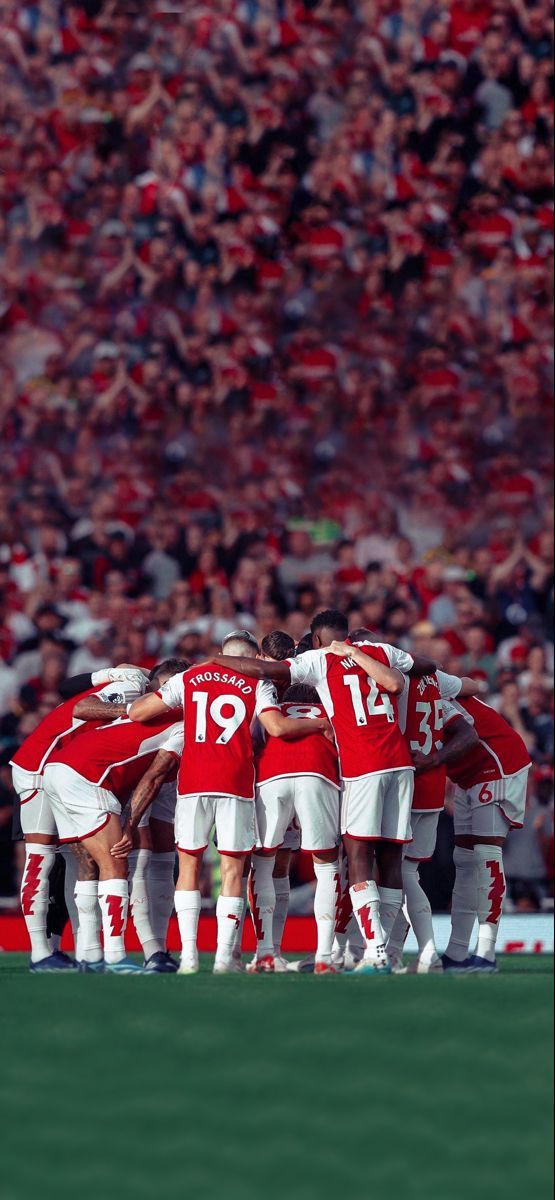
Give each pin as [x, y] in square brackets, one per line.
[234, 820]
[378, 807]
[36, 814]
[313, 801]
[424, 835]
[492, 808]
[80, 808]
[163, 807]
[292, 838]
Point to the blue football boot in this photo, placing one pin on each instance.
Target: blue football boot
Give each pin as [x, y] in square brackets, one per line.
[160, 963]
[54, 962]
[483, 965]
[451, 966]
[123, 967]
[92, 968]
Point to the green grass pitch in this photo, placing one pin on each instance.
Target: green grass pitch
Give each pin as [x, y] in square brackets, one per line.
[286, 1086]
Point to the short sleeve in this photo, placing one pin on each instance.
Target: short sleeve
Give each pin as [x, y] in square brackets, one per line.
[174, 739]
[308, 668]
[452, 712]
[398, 658]
[266, 696]
[123, 691]
[171, 692]
[449, 685]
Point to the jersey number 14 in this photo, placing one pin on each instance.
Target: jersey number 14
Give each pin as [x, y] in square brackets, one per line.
[378, 703]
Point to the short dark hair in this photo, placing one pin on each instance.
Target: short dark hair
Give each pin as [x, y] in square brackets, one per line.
[304, 645]
[278, 645]
[169, 666]
[361, 635]
[302, 693]
[330, 618]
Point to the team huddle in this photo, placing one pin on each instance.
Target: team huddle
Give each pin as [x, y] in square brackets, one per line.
[340, 747]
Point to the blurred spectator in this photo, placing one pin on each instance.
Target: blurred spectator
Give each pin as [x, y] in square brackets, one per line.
[528, 854]
[276, 317]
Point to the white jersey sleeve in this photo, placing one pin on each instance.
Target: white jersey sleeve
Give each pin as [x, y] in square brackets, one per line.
[398, 658]
[266, 696]
[449, 685]
[171, 692]
[309, 667]
[123, 691]
[174, 739]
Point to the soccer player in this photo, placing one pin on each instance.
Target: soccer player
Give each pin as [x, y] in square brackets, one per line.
[490, 799]
[97, 697]
[216, 783]
[89, 779]
[298, 780]
[422, 717]
[358, 690]
[278, 646]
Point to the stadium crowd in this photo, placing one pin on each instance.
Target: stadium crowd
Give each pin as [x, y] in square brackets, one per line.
[276, 310]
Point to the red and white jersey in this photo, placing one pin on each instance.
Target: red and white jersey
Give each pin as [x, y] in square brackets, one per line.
[219, 707]
[364, 719]
[311, 755]
[37, 748]
[500, 752]
[421, 718]
[116, 756]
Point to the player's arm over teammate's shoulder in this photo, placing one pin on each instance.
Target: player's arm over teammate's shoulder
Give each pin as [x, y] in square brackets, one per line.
[255, 668]
[155, 704]
[388, 679]
[459, 736]
[451, 686]
[290, 728]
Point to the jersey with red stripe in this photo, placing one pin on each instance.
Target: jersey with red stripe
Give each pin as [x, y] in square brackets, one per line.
[57, 725]
[421, 719]
[116, 756]
[219, 707]
[499, 753]
[310, 755]
[364, 719]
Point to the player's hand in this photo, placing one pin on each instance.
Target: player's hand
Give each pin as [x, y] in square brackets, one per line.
[422, 762]
[328, 733]
[124, 846]
[129, 674]
[340, 648]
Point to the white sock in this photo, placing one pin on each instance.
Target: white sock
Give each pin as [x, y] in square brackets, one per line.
[39, 861]
[464, 903]
[262, 899]
[161, 892]
[491, 893]
[391, 900]
[113, 897]
[238, 942]
[366, 907]
[282, 889]
[325, 907]
[229, 910]
[87, 945]
[139, 863]
[398, 935]
[419, 912]
[187, 908]
[70, 881]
